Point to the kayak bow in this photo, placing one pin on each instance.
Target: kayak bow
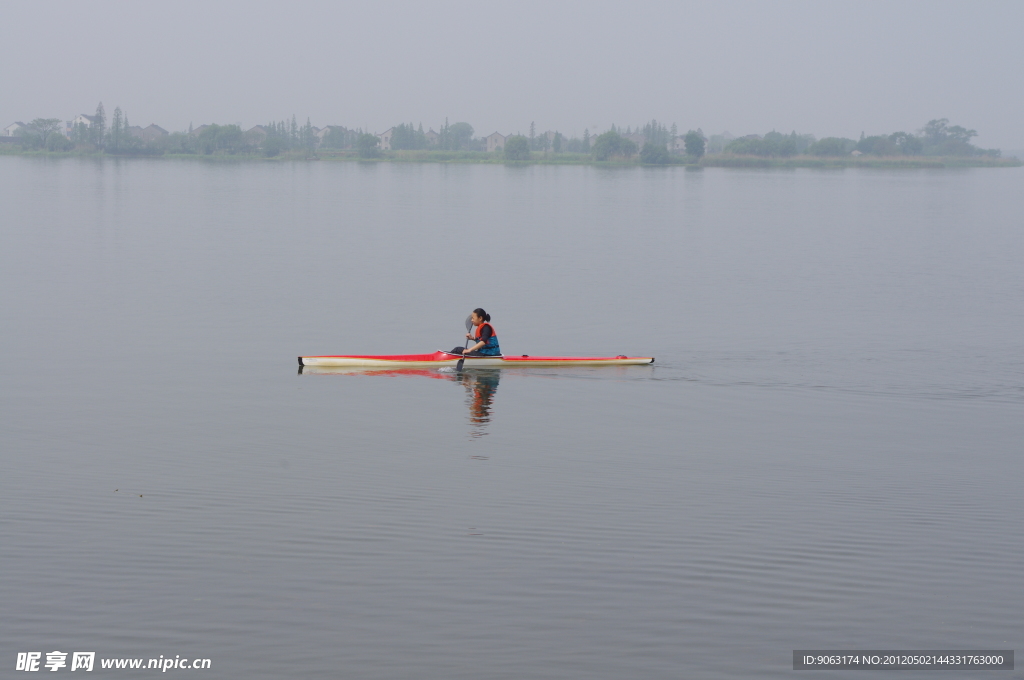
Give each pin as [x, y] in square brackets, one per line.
[439, 359]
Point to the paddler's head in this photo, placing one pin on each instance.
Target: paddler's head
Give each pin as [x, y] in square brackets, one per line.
[479, 316]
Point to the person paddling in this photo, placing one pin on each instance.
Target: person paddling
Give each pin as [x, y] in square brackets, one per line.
[486, 338]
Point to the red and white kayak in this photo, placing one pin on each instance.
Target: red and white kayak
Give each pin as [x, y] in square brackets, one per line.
[439, 359]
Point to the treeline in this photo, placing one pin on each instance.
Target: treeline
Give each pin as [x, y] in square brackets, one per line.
[653, 143]
[48, 133]
[116, 139]
[94, 134]
[936, 138]
[453, 137]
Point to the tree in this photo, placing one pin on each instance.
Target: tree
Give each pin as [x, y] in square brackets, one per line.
[227, 138]
[59, 142]
[878, 145]
[656, 133]
[117, 130]
[935, 130]
[772, 144]
[367, 145]
[961, 134]
[942, 139]
[273, 145]
[695, 144]
[586, 140]
[407, 137]
[517, 148]
[80, 133]
[99, 125]
[444, 137]
[338, 138]
[453, 137]
[45, 127]
[556, 143]
[907, 144]
[612, 144]
[803, 142]
[831, 146]
[461, 134]
[655, 154]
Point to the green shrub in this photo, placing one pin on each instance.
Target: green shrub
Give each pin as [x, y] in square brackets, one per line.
[655, 154]
[367, 145]
[517, 148]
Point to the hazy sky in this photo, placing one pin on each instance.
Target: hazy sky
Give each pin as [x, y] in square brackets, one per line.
[831, 68]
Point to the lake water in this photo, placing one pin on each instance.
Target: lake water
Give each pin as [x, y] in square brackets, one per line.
[826, 453]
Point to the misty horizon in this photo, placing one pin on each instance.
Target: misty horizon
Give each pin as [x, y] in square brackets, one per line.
[478, 132]
[836, 69]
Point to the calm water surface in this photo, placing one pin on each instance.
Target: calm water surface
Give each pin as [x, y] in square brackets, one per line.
[827, 452]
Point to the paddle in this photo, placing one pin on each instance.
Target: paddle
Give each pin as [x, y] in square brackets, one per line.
[469, 327]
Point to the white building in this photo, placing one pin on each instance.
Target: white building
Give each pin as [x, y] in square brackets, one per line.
[385, 139]
[13, 128]
[495, 142]
[84, 119]
[80, 119]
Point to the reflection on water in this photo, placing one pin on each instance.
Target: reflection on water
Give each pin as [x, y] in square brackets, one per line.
[480, 384]
[480, 388]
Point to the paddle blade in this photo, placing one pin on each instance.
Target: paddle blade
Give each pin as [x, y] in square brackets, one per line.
[469, 323]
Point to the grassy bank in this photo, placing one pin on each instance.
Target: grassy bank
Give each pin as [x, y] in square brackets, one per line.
[482, 157]
[734, 161]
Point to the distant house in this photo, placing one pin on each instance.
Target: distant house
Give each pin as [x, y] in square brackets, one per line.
[856, 153]
[677, 144]
[385, 139]
[331, 129]
[135, 131]
[432, 137]
[13, 128]
[495, 141]
[153, 132]
[83, 119]
[257, 133]
[196, 131]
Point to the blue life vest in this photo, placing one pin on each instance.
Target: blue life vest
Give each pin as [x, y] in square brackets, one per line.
[491, 348]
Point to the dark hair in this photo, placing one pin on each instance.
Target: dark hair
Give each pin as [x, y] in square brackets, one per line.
[482, 314]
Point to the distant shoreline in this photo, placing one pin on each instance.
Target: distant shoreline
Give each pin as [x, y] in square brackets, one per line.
[479, 157]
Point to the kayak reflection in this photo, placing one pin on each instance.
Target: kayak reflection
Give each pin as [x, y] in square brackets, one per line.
[480, 384]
